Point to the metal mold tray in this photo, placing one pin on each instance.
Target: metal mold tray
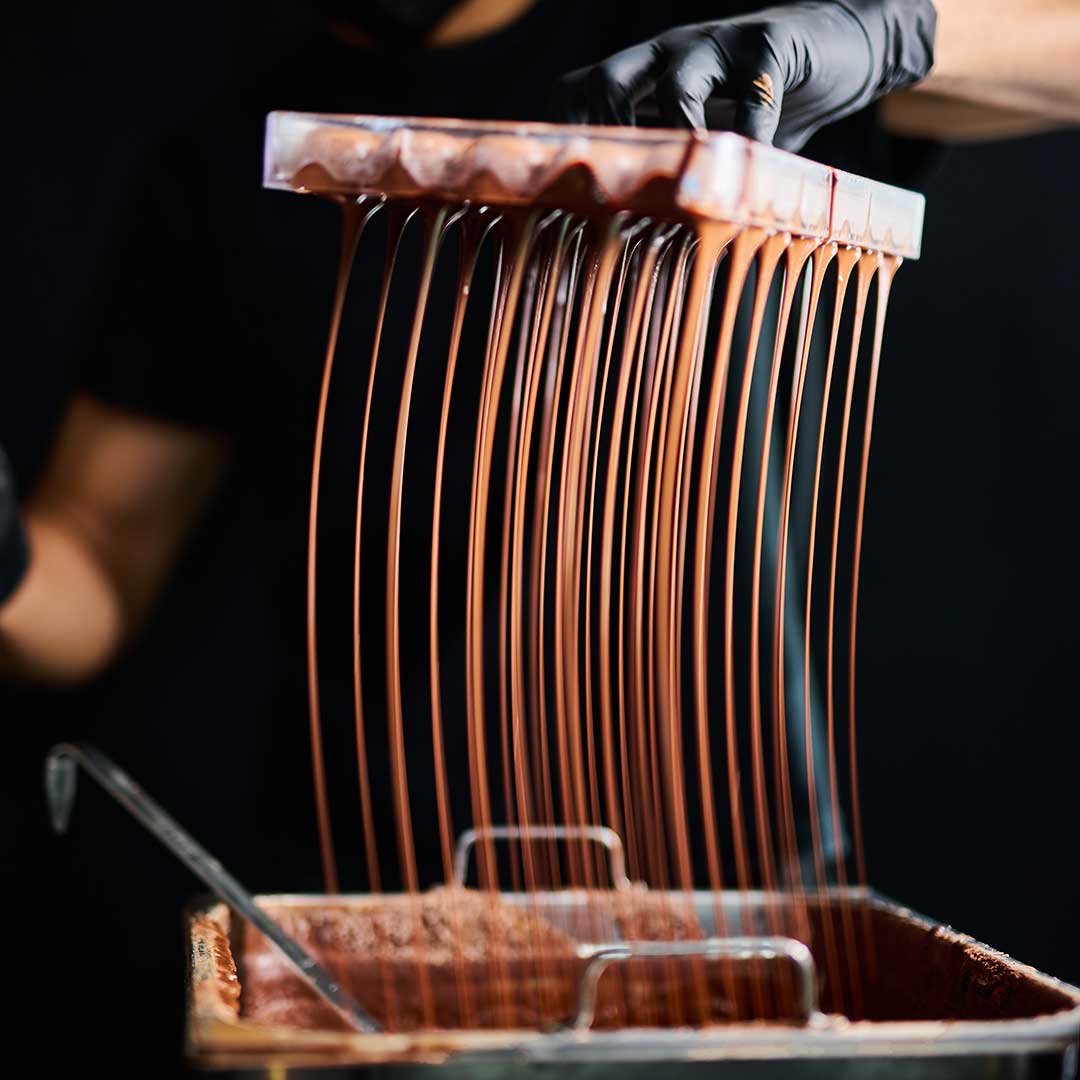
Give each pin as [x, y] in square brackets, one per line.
[947, 1006]
[677, 174]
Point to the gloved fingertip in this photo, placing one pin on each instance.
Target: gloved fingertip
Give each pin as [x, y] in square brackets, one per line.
[694, 116]
[688, 112]
[757, 122]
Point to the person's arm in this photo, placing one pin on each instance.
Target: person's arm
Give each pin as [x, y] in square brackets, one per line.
[787, 70]
[982, 67]
[117, 500]
[1001, 68]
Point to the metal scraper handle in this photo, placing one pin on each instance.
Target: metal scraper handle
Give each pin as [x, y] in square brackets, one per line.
[61, 773]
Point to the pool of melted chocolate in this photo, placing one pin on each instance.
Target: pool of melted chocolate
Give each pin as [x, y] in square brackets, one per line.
[483, 962]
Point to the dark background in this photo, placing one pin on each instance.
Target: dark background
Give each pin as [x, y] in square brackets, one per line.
[968, 631]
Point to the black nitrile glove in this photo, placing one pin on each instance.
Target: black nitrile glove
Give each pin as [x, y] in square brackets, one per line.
[789, 70]
[14, 553]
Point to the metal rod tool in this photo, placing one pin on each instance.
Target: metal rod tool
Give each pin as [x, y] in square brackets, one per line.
[61, 774]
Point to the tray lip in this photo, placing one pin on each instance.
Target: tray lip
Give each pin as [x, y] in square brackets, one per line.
[718, 176]
[212, 1039]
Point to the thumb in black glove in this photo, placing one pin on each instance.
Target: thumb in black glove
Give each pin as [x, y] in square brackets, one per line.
[789, 70]
[14, 553]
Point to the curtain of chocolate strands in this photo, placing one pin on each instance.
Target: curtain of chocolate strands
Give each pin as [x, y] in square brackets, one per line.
[646, 386]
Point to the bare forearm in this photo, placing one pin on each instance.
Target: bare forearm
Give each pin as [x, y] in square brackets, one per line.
[1018, 55]
[64, 622]
[117, 501]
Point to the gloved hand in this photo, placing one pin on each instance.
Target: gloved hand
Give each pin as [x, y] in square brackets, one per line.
[14, 553]
[789, 69]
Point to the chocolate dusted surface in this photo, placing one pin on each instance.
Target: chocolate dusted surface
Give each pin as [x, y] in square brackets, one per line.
[377, 948]
[486, 963]
[642, 915]
[217, 962]
[436, 926]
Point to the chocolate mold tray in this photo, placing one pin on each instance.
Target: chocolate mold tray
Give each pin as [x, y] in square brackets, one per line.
[659, 173]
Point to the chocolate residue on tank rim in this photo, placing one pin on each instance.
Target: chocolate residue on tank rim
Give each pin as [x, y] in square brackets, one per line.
[213, 955]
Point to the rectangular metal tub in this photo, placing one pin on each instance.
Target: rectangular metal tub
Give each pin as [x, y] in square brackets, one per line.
[950, 1006]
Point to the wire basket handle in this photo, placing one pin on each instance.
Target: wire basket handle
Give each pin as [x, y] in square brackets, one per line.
[732, 948]
[598, 834]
